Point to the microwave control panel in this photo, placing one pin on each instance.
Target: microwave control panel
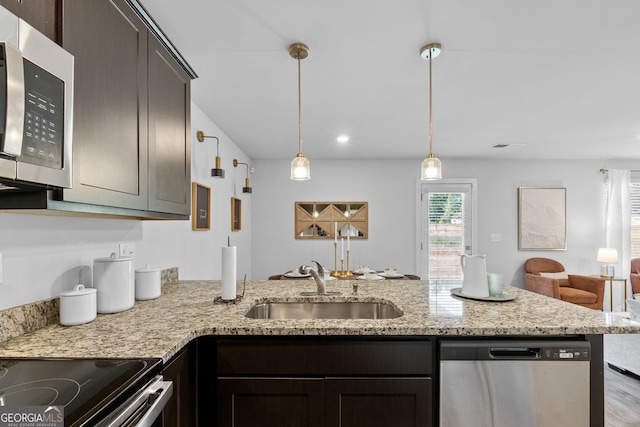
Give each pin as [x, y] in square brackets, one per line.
[43, 138]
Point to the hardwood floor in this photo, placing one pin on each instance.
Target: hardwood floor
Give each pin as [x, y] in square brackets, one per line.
[621, 399]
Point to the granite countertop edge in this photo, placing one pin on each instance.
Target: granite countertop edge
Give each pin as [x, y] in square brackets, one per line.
[186, 310]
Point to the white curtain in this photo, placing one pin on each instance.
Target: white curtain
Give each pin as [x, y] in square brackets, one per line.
[618, 219]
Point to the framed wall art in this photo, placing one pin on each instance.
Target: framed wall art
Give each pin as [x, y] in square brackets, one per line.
[236, 214]
[200, 207]
[542, 223]
[323, 220]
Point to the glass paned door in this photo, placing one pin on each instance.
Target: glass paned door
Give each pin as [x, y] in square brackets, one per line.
[446, 221]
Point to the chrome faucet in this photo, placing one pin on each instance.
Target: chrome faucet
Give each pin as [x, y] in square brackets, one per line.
[318, 275]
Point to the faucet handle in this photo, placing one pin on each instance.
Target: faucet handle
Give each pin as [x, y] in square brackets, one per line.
[355, 288]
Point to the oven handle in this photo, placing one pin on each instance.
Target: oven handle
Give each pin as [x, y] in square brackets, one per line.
[155, 404]
[143, 409]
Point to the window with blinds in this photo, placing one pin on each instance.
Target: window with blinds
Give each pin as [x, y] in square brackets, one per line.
[635, 217]
[635, 213]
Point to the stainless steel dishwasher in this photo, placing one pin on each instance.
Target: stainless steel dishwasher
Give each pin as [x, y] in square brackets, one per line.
[506, 383]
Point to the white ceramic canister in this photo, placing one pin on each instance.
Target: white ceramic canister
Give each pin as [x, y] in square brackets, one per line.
[113, 278]
[148, 283]
[77, 306]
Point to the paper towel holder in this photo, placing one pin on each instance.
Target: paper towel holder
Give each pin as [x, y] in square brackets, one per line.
[238, 298]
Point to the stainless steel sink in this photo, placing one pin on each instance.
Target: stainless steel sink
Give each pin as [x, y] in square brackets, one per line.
[323, 310]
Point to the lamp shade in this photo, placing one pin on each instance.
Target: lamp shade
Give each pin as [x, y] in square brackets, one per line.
[608, 255]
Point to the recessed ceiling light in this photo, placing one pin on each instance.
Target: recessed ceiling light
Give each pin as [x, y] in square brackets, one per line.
[343, 138]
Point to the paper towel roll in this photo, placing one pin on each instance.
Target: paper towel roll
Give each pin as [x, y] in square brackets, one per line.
[228, 272]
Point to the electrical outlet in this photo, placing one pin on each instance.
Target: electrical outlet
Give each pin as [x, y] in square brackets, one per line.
[496, 238]
[127, 250]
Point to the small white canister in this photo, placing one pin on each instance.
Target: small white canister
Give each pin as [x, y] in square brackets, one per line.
[113, 277]
[148, 283]
[78, 306]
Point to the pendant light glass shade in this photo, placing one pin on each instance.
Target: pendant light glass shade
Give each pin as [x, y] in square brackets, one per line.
[431, 169]
[300, 168]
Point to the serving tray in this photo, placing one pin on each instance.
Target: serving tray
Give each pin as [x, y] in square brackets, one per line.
[505, 297]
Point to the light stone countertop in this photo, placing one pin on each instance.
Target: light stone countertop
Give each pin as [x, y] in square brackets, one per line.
[161, 327]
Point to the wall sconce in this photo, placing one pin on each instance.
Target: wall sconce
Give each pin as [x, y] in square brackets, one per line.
[217, 172]
[247, 182]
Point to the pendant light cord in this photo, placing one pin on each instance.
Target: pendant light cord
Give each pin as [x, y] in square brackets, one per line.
[299, 110]
[430, 106]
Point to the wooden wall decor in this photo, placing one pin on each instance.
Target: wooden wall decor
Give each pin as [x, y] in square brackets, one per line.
[319, 220]
[236, 214]
[200, 207]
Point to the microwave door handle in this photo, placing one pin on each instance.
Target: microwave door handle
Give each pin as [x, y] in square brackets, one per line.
[14, 125]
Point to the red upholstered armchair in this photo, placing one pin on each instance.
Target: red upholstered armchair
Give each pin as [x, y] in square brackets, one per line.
[635, 275]
[546, 276]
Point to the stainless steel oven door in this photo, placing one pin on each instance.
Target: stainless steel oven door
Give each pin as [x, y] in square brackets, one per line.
[144, 408]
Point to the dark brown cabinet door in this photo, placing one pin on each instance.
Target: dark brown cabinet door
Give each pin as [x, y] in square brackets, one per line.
[169, 141]
[181, 410]
[40, 14]
[270, 402]
[109, 43]
[378, 402]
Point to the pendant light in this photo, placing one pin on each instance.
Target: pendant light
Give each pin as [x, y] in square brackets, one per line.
[247, 182]
[431, 168]
[217, 172]
[300, 167]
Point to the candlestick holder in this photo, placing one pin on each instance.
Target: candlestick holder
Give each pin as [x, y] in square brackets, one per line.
[335, 272]
[348, 272]
[342, 273]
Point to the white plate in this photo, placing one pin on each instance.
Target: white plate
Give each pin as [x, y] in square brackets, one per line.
[295, 274]
[363, 270]
[391, 276]
[376, 278]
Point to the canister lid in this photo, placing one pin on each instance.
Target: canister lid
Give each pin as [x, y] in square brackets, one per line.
[147, 269]
[77, 291]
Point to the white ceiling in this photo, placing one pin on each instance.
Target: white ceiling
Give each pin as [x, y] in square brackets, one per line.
[559, 78]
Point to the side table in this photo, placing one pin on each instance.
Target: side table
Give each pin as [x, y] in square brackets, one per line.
[617, 280]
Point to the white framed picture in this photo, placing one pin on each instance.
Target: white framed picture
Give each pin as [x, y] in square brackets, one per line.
[542, 223]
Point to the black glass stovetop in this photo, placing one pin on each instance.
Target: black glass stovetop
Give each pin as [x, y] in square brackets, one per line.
[84, 387]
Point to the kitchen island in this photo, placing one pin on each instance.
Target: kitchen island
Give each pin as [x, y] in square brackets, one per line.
[161, 328]
[186, 310]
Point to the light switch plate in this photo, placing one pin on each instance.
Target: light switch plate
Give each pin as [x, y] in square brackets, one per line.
[127, 250]
[496, 238]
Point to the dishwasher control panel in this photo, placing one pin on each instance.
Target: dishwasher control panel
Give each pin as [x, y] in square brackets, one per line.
[566, 353]
[541, 350]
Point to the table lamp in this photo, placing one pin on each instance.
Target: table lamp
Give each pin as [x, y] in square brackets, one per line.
[607, 255]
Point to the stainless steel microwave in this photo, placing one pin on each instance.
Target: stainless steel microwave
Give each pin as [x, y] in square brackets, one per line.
[36, 108]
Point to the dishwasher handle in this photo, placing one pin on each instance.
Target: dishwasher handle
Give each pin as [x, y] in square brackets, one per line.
[514, 353]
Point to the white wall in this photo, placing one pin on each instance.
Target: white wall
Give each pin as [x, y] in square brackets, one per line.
[390, 189]
[43, 255]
